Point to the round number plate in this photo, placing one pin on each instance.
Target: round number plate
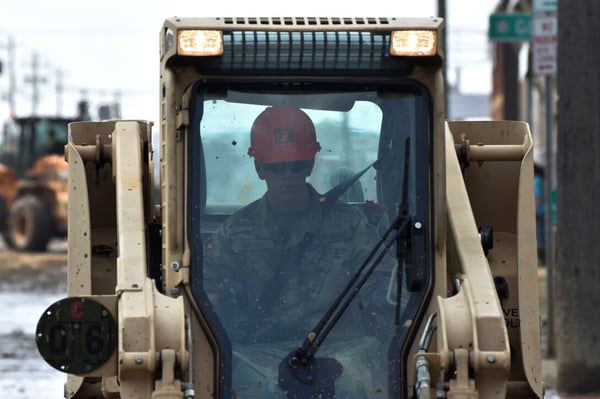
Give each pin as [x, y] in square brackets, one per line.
[76, 335]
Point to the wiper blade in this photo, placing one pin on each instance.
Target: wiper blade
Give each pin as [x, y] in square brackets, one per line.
[335, 311]
[318, 374]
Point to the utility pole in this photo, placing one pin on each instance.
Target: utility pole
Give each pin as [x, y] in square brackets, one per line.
[59, 87]
[9, 66]
[505, 95]
[12, 85]
[441, 5]
[578, 190]
[35, 79]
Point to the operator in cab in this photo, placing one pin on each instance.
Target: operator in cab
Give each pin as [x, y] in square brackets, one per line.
[274, 269]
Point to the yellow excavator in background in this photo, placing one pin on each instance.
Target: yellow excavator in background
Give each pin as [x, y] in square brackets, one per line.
[451, 203]
[33, 181]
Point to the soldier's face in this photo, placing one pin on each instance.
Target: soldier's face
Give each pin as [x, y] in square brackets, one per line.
[286, 181]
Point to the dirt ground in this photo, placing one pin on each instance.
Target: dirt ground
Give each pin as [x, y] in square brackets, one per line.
[33, 271]
[33, 280]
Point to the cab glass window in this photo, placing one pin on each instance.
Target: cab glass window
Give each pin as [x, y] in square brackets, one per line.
[316, 287]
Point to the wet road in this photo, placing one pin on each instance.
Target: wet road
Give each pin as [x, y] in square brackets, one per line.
[29, 283]
[23, 374]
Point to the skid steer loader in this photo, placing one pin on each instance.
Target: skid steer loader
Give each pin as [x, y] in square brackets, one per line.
[450, 206]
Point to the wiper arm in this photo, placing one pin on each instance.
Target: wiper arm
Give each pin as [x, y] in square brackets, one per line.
[316, 337]
[318, 375]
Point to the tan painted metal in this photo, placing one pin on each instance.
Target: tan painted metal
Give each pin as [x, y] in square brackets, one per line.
[496, 189]
[151, 325]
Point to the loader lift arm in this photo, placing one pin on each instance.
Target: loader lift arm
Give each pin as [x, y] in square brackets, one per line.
[151, 328]
[480, 353]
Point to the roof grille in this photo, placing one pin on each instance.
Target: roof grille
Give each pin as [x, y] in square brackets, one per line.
[305, 21]
[264, 52]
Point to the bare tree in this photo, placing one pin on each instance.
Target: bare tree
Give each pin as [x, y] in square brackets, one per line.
[577, 302]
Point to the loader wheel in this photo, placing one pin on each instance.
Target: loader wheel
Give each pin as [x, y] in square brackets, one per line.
[29, 224]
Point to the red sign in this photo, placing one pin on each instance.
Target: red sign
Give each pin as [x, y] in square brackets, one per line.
[544, 42]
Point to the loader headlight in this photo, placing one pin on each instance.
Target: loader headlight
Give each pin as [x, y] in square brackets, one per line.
[200, 42]
[413, 43]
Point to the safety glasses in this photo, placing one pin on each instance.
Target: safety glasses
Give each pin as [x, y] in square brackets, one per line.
[287, 167]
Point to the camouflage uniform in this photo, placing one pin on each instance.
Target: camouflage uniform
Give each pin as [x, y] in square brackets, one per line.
[272, 278]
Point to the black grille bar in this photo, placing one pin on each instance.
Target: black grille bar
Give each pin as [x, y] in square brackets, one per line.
[329, 50]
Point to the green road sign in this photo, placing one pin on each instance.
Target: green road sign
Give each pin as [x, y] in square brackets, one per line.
[545, 6]
[510, 27]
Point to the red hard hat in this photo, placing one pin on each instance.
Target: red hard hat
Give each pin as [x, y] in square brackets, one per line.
[283, 133]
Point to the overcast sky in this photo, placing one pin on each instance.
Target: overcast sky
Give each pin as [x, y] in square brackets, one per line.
[107, 48]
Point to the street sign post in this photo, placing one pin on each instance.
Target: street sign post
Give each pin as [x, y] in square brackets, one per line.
[510, 27]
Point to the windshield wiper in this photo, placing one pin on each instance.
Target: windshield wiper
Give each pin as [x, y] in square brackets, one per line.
[301, 374]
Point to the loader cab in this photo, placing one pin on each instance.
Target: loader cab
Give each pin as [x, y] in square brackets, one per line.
[25, 139]
[382, 129]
